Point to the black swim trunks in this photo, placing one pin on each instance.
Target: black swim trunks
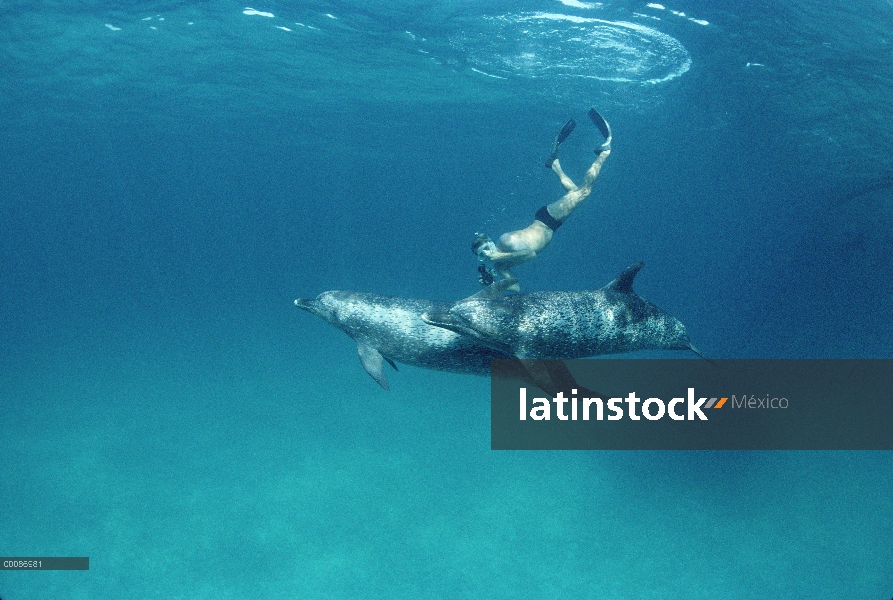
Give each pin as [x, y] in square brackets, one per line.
[543, 216]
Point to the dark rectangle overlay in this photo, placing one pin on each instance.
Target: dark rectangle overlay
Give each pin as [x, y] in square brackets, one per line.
[44, 563]
[692, 405]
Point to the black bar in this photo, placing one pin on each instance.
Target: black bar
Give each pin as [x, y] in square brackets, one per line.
[44, 563]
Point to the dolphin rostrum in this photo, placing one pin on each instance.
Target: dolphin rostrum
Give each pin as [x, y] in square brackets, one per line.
[390, 328]
[564, 325]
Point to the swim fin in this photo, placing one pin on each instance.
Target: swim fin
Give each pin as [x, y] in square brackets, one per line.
[562, 135]
[603, 127]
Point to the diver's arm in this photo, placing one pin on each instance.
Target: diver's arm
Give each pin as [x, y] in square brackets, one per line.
[514, 256]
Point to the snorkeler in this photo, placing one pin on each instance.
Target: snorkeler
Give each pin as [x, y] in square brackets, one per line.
[516, 247]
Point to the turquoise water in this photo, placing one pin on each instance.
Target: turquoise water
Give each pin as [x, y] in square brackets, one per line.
[173, 175]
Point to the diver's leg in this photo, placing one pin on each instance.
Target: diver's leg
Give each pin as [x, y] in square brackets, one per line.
[591, 175]
[564, 206]
[507, 274]
[565, 180]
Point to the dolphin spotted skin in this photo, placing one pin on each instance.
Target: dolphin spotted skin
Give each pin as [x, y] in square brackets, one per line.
[565, 325]
[390, 328]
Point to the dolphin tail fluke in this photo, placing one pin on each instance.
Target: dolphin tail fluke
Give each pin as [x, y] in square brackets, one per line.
[373, 362]
[698, 352]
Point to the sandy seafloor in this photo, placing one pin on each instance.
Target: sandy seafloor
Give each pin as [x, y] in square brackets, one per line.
[173, 175]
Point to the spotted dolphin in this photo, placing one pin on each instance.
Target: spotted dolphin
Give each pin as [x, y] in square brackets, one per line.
[390, 329]
[564, 325]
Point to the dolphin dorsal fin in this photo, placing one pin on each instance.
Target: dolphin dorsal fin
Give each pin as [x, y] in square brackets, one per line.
[624, 281]
[494, 290]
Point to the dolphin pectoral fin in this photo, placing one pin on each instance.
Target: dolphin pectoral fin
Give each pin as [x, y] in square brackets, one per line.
[373, 362]
[447, 320]
[392, 363]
